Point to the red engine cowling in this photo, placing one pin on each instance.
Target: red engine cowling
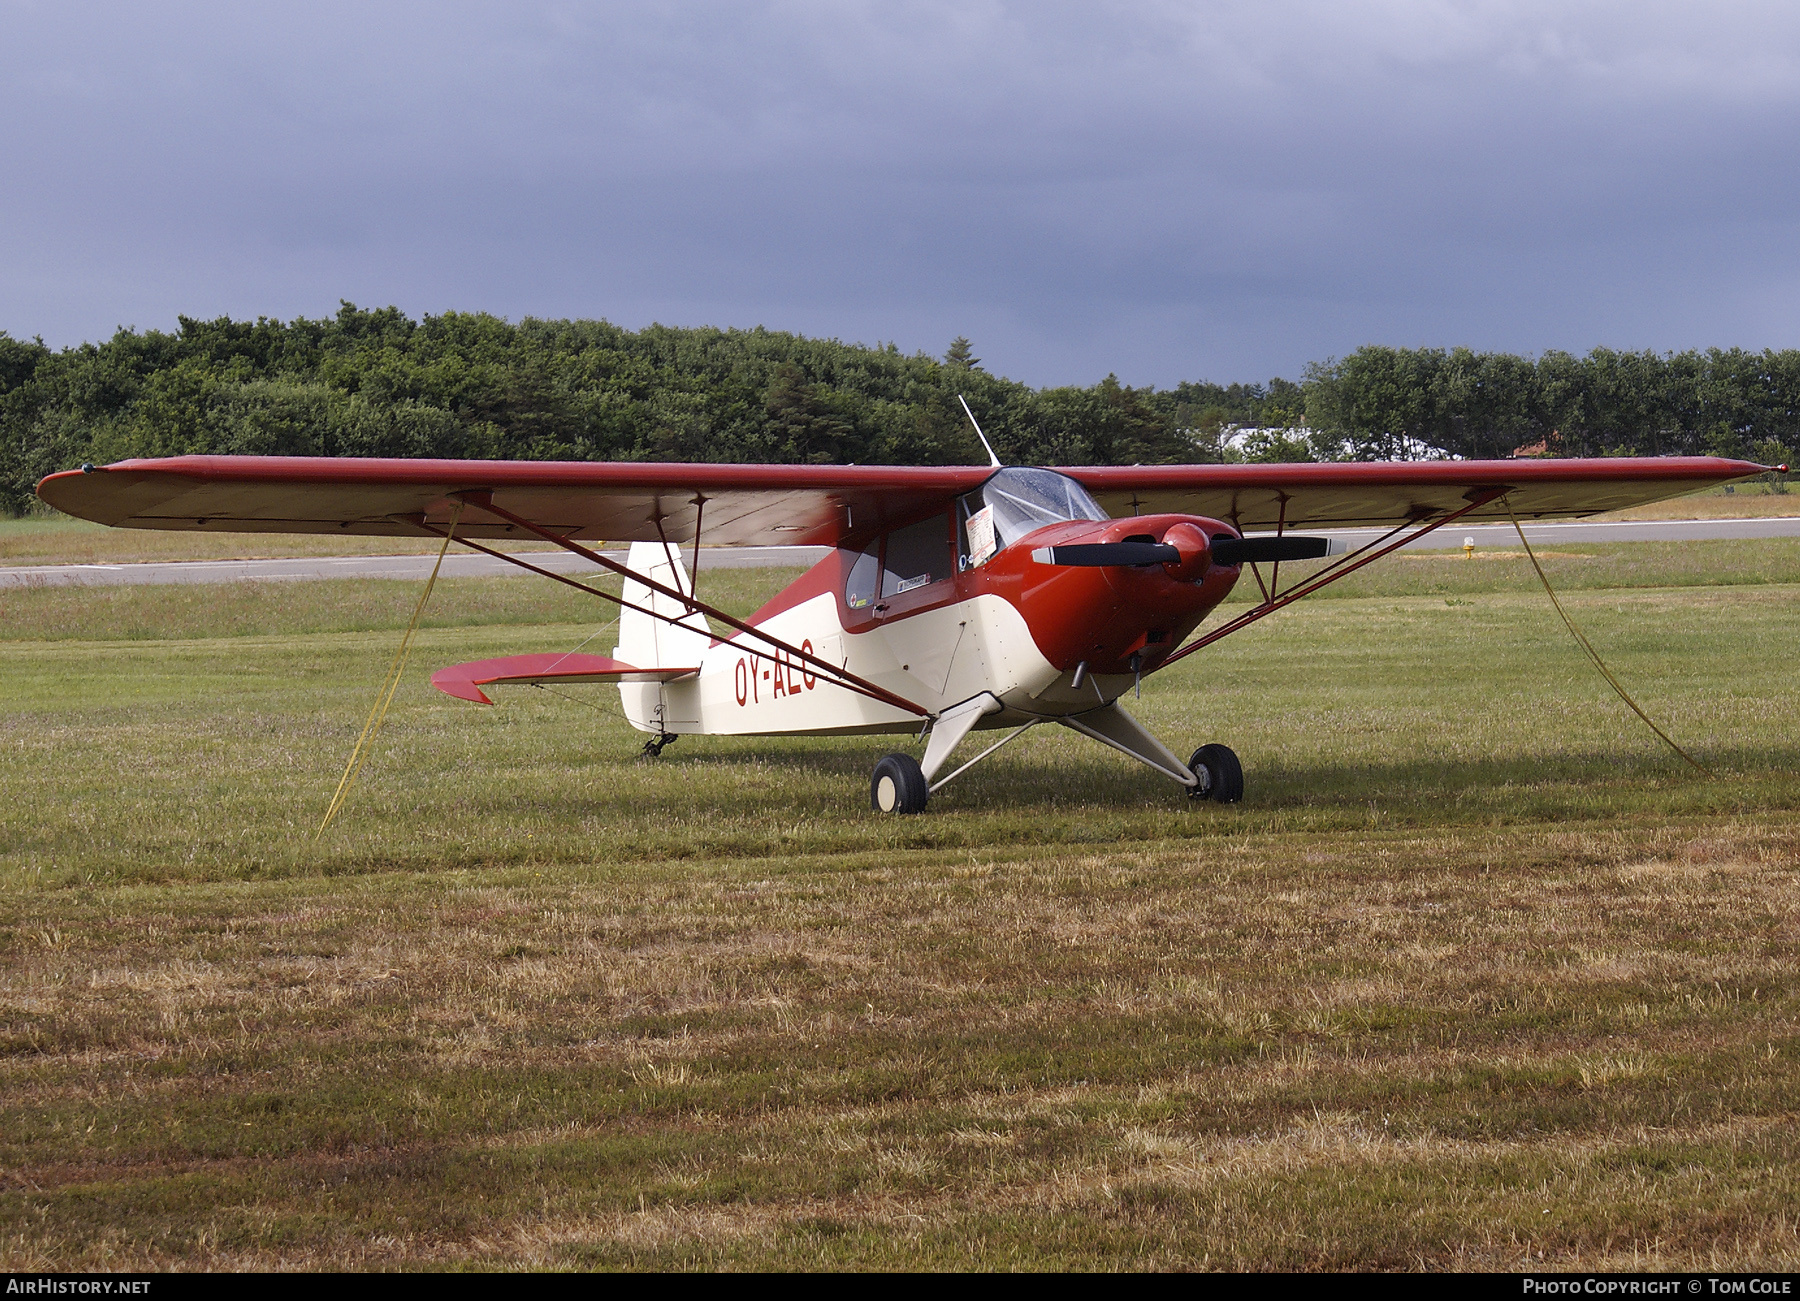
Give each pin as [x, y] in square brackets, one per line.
[1116, 618]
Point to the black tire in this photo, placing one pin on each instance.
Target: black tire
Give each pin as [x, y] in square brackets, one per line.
[898, 786]
[1221, 775]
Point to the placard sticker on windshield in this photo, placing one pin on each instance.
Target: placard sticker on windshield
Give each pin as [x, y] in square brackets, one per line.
[981, 535]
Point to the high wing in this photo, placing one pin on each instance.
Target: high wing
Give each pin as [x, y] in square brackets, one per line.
[644, 501]
[771, 505]
[1346, 494]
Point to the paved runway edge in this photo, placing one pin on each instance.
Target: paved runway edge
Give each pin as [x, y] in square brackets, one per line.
[465, 564]
[471, 565]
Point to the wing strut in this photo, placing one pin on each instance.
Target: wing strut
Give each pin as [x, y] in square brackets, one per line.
[837, 675]
[1364, 555]
[699, 504]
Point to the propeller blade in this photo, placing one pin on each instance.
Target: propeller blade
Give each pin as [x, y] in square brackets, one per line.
[1244, 551]
[1225, 551]
[1109, 553]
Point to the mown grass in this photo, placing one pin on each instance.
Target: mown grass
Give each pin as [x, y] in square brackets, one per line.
[286, 609]
[1476, 977]
[1754, 500]
[57, 539]
[1585, 567]
[282, 610]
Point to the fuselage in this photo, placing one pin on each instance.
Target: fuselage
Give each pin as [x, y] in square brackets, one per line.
[981, 614]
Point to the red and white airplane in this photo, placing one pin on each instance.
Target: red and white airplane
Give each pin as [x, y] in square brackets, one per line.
[955, 599]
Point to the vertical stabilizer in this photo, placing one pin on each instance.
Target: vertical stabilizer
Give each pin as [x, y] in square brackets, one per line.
[653, 644]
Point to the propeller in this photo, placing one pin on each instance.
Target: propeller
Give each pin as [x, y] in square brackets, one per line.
[1109, 553]
[1226, 551]
[1248, 551]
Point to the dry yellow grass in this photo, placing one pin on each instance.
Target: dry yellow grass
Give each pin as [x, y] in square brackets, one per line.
[1563, 1048]
[1747, 501]
[1476, 977]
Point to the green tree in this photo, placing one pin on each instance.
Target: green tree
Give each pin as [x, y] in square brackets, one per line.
[468, 384]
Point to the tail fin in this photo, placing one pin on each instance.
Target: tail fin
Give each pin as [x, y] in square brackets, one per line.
[652, 643]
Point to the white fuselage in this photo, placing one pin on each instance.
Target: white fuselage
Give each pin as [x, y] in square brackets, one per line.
[936, 658]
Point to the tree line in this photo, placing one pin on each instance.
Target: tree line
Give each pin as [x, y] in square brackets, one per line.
[377, 383]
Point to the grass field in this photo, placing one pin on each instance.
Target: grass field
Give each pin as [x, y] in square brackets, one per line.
[56, 539]
[1754, 500]
[1478, 976]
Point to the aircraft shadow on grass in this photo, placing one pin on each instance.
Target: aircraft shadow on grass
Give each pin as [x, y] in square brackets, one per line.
[810, 778]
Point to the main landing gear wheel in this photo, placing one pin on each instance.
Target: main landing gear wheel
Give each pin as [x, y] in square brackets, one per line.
[1221, 775]
[898, 786]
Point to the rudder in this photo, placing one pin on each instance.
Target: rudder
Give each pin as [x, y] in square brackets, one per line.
[653, 643]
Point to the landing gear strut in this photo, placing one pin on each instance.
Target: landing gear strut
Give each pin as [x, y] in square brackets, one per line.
[1221, 776]
[657, 744]
[898, 785]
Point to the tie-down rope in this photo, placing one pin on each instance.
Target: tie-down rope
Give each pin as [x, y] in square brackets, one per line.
[1588, 646]
[385, 696]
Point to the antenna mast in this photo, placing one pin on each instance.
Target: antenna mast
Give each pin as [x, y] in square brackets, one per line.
[992, 459]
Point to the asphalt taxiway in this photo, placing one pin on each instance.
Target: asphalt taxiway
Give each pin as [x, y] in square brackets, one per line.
[472, 565]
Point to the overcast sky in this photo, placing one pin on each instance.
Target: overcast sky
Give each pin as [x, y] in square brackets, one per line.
[1165, 189]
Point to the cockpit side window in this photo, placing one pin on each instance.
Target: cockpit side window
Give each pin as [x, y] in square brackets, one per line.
[917, 556]
[859, 591]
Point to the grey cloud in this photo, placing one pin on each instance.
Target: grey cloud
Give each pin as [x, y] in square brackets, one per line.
[1166, 190]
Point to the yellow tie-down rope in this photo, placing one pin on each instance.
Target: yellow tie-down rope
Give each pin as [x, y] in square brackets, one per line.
[1588, 646]
[389, 685]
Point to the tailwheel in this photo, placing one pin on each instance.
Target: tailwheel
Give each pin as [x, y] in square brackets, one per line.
[1221, 775]
[898, 786]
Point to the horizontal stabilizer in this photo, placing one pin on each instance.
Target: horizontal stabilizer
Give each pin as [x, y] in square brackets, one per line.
[464, 681]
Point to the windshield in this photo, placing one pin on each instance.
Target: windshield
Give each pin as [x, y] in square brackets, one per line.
[1021, 500]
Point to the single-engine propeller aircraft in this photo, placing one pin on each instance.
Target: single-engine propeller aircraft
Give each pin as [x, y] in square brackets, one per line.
[955, 599]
